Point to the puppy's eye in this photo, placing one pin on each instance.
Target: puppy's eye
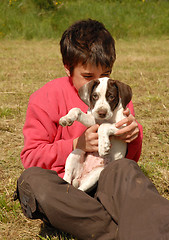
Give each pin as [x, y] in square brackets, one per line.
[95, 96]
[111, 98]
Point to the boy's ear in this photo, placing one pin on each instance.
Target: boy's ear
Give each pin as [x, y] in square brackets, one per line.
[67, 70]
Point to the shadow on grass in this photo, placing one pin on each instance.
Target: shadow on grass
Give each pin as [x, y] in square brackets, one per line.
[48, 232]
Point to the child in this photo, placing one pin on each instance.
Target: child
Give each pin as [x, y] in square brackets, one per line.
[88, 53]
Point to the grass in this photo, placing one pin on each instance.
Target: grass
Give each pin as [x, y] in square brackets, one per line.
[28, 65]
[23, 19]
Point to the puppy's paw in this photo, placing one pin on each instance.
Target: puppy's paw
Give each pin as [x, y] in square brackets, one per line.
[67, 177]
[75, 183]
[65, 121]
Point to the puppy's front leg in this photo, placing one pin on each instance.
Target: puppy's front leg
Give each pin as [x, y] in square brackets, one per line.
[105, 131]
[75, 114]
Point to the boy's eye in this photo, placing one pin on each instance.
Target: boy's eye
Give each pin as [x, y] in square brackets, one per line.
[105, 75]
[87, 76]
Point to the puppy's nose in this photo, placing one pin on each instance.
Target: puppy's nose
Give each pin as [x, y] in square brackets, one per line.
[102, 113]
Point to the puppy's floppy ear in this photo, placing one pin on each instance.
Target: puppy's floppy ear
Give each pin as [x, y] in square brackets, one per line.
[86, 90]
[125, 93]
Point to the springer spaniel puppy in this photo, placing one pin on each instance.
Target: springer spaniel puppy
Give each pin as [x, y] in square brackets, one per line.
[107, 100]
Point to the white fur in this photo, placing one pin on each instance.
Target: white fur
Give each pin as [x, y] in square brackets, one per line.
[102, 103]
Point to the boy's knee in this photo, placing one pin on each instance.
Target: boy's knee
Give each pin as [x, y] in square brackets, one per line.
[35, 177]
[30, 173]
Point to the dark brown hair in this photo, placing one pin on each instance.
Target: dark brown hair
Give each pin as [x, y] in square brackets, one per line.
[87, 41]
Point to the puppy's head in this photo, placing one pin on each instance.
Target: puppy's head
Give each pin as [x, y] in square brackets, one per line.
[102, 96]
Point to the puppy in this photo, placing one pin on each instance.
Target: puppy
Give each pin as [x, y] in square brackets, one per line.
[107, 100]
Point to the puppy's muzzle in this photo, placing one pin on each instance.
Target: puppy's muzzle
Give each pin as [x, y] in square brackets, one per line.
[102, 112]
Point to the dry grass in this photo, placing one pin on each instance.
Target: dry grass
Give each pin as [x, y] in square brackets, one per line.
[26, 66]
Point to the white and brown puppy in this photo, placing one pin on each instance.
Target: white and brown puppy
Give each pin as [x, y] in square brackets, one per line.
[107, 100]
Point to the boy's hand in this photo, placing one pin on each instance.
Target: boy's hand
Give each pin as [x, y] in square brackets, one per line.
[130, 131]
[88, 141]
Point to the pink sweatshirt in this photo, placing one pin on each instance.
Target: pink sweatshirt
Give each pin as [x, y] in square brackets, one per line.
[46, 143]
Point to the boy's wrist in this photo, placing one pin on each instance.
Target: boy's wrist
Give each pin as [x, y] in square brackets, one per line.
[78, 143]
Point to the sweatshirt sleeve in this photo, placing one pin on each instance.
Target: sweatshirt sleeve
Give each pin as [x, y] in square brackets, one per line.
[43, 146]
[134, 148]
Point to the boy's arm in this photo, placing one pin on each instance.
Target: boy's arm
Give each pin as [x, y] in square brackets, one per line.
[43, 146]
[134, 147]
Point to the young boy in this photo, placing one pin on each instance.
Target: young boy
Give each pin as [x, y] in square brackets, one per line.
[115, 212]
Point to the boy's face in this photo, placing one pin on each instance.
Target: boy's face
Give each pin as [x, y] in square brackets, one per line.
[85, 73]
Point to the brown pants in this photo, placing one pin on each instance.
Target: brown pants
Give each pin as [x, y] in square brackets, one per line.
[126, 205]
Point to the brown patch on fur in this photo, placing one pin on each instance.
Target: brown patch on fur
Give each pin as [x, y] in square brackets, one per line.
[112, 94]
[125, 93]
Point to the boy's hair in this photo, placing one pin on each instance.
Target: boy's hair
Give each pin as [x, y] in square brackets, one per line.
[87, 41]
